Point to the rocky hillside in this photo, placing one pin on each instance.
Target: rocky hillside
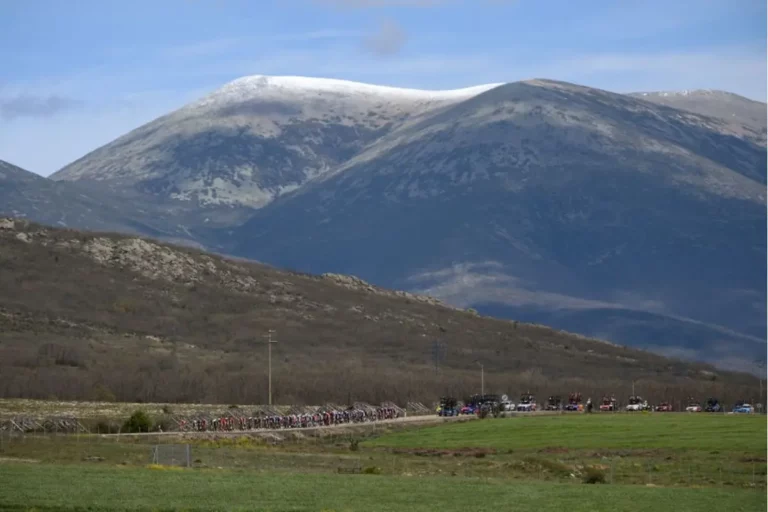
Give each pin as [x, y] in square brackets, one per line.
[78, 205]
[110, 316]
[730, 108]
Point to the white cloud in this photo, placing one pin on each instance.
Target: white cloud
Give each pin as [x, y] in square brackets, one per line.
[27, 105]
[387, 40]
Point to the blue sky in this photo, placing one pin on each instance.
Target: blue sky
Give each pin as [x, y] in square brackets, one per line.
[76, 74]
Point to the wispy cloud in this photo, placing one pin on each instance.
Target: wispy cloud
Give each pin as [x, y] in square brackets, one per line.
[388, 40]
[36, 106]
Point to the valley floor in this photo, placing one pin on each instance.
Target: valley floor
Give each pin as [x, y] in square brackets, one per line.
[650, 462]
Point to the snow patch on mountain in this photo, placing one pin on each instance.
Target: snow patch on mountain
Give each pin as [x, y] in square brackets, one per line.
[261, 86]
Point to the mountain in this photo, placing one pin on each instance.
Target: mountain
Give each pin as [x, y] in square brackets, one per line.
[538, 198]
[727, 106]
[162, 323]
[26, 194]
[638, 218]
[254, 139]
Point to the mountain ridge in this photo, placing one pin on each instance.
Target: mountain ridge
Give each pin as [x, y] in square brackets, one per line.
[580, 196]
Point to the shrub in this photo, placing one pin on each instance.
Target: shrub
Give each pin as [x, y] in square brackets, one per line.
[372, 470]
[593, 476]
[353, 445]
[138, 422]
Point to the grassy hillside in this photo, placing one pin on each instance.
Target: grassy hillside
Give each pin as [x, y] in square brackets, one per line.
[105, 317]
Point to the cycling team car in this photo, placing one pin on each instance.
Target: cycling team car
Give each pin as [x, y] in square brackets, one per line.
[448, 407]
[693, 406]
[574, 402]
[527, 403]
[506, 405]
[636, 403]
[713, 405]
[554, 403]
[608, 404]
[743, 408]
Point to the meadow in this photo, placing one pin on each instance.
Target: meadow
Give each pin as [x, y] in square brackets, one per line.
[643, 462]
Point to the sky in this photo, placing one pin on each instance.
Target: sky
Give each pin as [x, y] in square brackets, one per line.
[76, 74]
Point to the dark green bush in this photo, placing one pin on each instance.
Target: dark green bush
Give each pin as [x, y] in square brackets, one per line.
[138, 422]
[593, 476]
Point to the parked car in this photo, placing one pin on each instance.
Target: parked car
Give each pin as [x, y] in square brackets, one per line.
[664, 407]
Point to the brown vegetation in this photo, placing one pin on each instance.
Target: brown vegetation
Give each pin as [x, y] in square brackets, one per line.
[109, 317]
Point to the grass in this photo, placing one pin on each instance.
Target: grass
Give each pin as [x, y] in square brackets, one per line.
[53, 487]
[708, 432]
[649, 462]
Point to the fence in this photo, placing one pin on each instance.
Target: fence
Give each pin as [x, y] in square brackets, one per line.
[172, 455]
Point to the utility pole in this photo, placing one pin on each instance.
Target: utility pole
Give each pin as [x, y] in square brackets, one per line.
[270, 341]
[761, 364]
[482, 379]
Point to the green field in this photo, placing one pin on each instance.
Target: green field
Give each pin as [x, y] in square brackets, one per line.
[706, 432]
[650, 462]
[112, 488]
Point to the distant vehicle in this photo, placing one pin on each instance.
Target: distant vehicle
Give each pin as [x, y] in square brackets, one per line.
[636, 403]
[574, 402]
[554, 403]
[448, 407]
[693, 406]
[506, 405]
[608, 404]
[743, 408]
[713, 405]
[475, 403]
[527, 403]
[664, 407]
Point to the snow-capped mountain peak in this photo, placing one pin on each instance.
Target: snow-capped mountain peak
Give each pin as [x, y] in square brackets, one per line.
[300, 87]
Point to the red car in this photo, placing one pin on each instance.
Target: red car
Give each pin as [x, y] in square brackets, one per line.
[609, 404]
[664, 407]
